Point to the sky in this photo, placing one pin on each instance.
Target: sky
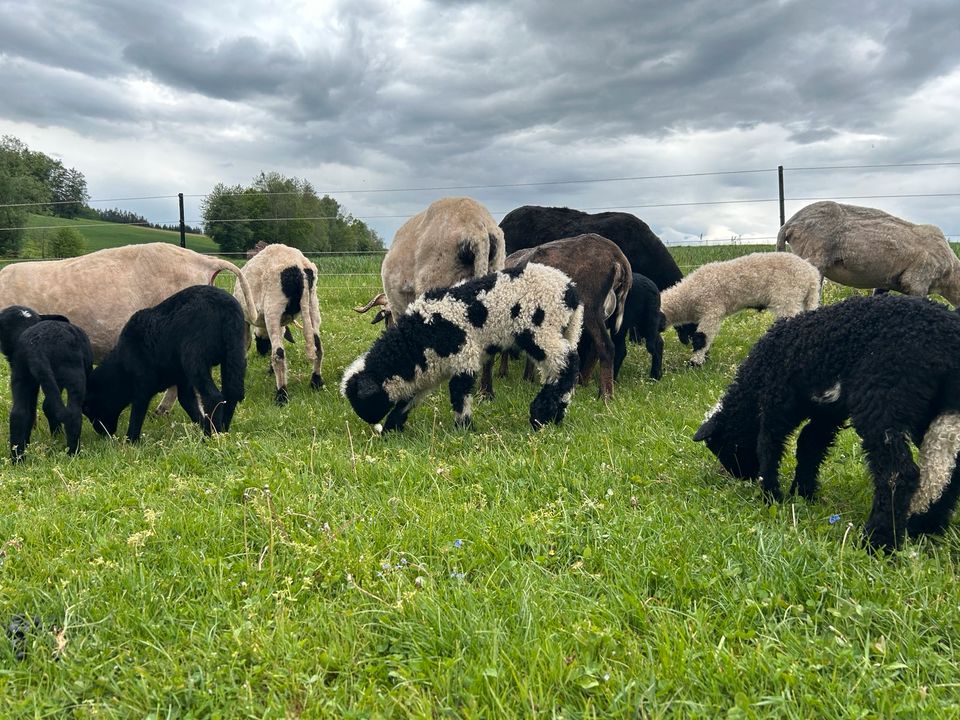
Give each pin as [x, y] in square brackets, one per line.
[388, 105]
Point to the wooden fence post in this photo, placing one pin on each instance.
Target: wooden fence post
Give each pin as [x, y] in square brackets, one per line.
[783, 218]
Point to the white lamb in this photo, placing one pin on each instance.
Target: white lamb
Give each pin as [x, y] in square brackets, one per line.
[782, 283]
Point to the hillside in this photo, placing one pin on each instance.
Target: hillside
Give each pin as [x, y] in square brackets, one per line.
[99, 235]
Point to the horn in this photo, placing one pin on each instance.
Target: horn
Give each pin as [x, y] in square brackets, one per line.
[380, 299]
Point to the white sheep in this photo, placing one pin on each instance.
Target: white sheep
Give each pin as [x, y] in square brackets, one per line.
[782, 283]
[283, 284]
[454, 239]
[867, 248]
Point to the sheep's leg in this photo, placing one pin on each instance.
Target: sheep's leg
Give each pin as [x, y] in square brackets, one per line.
[316, 379]
[604, 349]
[23, 414]
[560, 379]
[166, 404]
[529, 371]
[587, 355]
[934, 520]
[262, 343]
[138, 413]
[461, 387]
[188, 401]
[504, 363]
[212, 403]
[654, 342]
[76, 386]
[51, 409]
[486, 379]
[813, 444]
[770, 443]
[707, 330]
[896, 478]
[278, 358]
[619, 351]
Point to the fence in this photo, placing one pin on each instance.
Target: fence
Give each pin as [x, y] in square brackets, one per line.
[781, 178]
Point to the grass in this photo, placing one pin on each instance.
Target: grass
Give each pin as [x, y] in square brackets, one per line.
[98, 235]
[301, 566]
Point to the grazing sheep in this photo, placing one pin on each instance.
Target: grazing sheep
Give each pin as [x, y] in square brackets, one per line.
[175, 343]
[454, 239]
[867, 248]
[782, 283]
[889, 363]
[533, 225]
[449, 333]
[642, 320]
[603, 278]
[100, 291]
[45, 352]
[282, 284]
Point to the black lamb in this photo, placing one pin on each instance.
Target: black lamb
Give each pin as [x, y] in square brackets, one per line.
[642, 321]
[174, 343]
[891, 364]
[44, 351]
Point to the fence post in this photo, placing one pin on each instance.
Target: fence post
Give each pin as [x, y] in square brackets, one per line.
[183, 230]
[783, 218]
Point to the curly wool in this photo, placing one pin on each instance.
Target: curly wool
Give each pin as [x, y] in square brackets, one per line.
[450, 333]
[782, 283]
[891, 364]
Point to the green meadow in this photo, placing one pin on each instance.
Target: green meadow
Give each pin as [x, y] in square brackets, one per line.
[98, 235]
[301, 566]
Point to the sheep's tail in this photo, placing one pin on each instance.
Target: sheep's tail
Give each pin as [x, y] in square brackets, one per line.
[782, 238]
[50, 387]
[249, 308]
[619, 274]
[938, 452]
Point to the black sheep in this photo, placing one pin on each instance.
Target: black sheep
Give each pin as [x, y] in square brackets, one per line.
[532, 225]
[174, 343]
[642, 321]
[44, 351]
[891, 364]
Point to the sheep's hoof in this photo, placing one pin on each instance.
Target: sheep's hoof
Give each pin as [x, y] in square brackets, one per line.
[282, 396]
[316, 382]
[463, 423]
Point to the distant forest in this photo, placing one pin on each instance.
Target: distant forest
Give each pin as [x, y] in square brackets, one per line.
[272, 209]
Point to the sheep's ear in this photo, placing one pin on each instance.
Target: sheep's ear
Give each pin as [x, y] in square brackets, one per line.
[366, 387]
[706, 430]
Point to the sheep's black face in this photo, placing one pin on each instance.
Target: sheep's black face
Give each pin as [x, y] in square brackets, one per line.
[99, 409]
[733, 440]
[368, 398]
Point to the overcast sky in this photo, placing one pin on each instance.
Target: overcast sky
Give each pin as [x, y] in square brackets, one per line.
[154, 99]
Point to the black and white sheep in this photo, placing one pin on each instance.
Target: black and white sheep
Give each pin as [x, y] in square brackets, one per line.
[46, 352]
[533, 225]
[454, 239]
[603, 278]
[282, 283]
[175, 343]
[864, 247]
[642, 321]
[782, 283]
[448, 334]
[891, 364]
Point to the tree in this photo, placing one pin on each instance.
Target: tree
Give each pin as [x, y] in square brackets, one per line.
[278, 209]
[66, 242]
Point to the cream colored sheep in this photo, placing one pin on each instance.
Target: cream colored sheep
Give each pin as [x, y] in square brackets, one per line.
[100, 291]
[283, 284]
[782, 283]
[454, 239]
